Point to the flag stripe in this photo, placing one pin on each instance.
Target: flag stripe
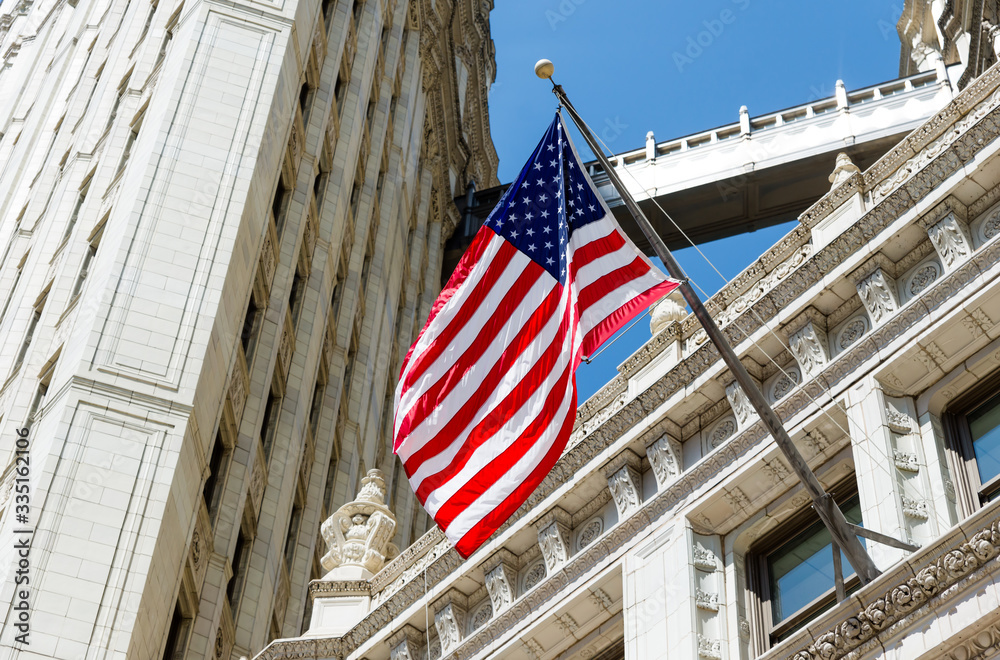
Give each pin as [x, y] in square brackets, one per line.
[501, 464]
[457, 372]
[467, 413]
[485, 527]
[519, 411]
[482, 288]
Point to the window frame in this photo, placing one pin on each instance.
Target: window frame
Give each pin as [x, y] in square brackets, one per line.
[767, 633]
[971, 494]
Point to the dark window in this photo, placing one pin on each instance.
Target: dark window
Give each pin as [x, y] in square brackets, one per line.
[293, 534]
[177, 634]
[328, 6]
[80, 199]
[305, 101]
[984, 432]
[295, 296]
[792, 572]
[251, 324]
[88, 259]
[278, 205]
[241, 557]
[267, 425]
[339, 89]
[317, 406]
[216, 464]
[36, 315]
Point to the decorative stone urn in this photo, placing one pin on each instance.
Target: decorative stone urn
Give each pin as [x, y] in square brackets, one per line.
[357, 535]
[844, 170]
[670, 308]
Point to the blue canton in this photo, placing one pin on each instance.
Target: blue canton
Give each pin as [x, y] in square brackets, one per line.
[548, 201]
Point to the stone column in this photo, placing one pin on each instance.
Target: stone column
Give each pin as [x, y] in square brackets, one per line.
[891, 470]
[655, 596]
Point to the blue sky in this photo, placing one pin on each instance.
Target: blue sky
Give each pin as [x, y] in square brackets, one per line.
[676, 68]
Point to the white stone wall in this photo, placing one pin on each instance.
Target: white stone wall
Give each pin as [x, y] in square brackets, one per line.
[148, 366]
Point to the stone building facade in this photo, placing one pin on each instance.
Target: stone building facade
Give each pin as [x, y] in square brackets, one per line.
[221, 225]
[673, 527]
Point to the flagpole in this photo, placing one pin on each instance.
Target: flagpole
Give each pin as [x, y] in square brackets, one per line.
[823, 503]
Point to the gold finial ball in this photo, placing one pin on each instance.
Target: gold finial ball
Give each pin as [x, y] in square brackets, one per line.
[544, 69]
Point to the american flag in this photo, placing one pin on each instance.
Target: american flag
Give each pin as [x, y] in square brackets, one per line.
[486, 398]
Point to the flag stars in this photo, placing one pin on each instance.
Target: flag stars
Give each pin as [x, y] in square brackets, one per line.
[532, 247]
[529, 231]
[538, 166]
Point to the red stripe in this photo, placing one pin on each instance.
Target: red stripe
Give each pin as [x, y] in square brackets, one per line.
[503, 463]
[465, 266]
[596, 249]
[492, 521]
[497, 417]
[433, 397]
[610, 324]
[472, 301]
[604, 285]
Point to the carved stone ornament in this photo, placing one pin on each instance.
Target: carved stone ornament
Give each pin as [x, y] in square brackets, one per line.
[500, 585]
[808, 347]
[668, 310]
[406, 644]
[357, 535]
[898, 421]
[851, 332]
[590, 532]
[785, 383]
[706, 601]
[553, 540]
[914, 508]
[923, 278]
[625, 487]
[664, 458]
[722, 432]
[877, 292]
[905, 461]
[950, 240]
[711, 649]
[482, 615]
[704, 558]
[843, 170]
[740, 404]
[447, 621]
[534, 575]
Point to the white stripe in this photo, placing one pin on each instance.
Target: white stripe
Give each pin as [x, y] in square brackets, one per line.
[445, 315]
[500, 441]
[459, 395]
[509, 481]
[616, 299]
[602, 266]
[465, 336]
